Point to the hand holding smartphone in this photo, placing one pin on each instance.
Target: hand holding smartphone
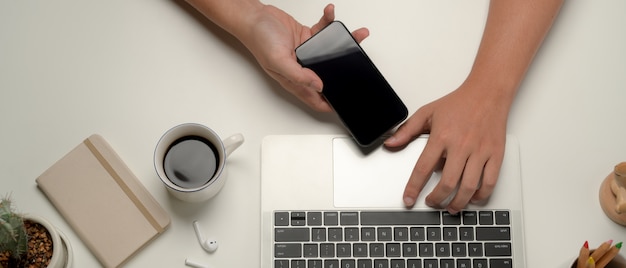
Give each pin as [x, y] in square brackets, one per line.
[353, 86]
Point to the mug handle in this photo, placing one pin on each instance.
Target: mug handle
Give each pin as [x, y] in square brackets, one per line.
[233, 142]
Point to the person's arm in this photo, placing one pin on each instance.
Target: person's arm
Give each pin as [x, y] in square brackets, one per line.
[272, 35]
[234, 16]
[468, 126]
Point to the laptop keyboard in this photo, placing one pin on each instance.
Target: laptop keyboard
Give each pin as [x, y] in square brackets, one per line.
[392, 239]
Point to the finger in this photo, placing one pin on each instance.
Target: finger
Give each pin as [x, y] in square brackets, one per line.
[421, 173]
[411, 128]
[469, 183]
[327, 18]
[360, 34]
[490, 175]
[450, 176]
[301, 82]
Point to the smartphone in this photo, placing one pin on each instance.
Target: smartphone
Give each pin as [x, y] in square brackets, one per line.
[353, 86]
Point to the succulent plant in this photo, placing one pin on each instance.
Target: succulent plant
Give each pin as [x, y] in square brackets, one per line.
[13, 238]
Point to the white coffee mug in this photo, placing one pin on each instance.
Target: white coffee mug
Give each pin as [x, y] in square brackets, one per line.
[190, 160]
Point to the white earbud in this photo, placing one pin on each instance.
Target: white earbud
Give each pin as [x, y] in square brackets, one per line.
[194, 264]
[210, 245]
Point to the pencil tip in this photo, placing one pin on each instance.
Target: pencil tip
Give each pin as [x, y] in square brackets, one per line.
[591, 260]
[618, 245]
[586, 245]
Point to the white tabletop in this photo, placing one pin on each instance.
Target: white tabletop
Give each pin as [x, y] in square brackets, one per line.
[130, 70]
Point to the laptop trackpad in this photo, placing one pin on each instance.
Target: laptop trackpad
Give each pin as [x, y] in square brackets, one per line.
[376, 179]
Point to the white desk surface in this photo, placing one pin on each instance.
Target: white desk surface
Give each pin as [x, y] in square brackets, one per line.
[130, 70]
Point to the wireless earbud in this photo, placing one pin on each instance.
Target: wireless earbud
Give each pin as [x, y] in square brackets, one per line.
[210, 245]
[194, 264]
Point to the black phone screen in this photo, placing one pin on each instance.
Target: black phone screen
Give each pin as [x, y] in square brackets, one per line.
[353, 86]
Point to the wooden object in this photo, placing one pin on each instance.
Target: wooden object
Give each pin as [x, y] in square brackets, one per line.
[613, 194]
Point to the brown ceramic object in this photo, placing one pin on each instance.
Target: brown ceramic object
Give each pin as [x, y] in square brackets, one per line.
[613, 194]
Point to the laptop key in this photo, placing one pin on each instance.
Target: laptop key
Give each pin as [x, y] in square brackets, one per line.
[385, 234]
[497, 249]
[446, 263]
[502, 218]
[348, 263]
[464, 263]
[335, 234]
[281, 264]
[501, 263]
[349, 218]
[466, 233]
[426, 250]
[359, 250]
[377, 250]
[344, 250]
[327, 250]
[433, 234]
[485, 218]
[281, 219]
[469, 217]
[480, 263]
[298, 218]
[364, 263]
[381, 263]
[311, 250]
[409, 250]
[393, 250]
[298, 264]
[331, 218]
[291, 235]
[293, 250]
[331, 264]
[314, 218]
[414, 263]
[475, 249]
[493, 233]
[318, 234]
[397, 263]
[315, 263]
[400, 218]
[450, 219]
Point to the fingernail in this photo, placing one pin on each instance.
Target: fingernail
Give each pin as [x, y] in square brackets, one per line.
[409, 202]
[390, 139]
[429, 203]
[317, 87]
[610, 242]
[618, 245]
[586, 245]
[452, 211]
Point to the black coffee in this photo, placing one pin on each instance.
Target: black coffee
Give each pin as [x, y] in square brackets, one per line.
[190, 162]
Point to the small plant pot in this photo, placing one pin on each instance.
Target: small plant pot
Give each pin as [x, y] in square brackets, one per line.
[62, 255]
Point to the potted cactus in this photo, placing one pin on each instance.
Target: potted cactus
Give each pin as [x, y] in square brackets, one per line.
[30, 241]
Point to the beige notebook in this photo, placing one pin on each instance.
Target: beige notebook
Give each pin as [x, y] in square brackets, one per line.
[103, 201]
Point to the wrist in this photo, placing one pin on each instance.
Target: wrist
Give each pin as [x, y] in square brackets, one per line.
[234, 16]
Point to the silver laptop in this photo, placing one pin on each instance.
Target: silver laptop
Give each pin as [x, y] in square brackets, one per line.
[325, 203]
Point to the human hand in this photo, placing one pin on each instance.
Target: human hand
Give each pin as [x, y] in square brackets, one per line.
[599, 258]
[468, 129]
[273, 37]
